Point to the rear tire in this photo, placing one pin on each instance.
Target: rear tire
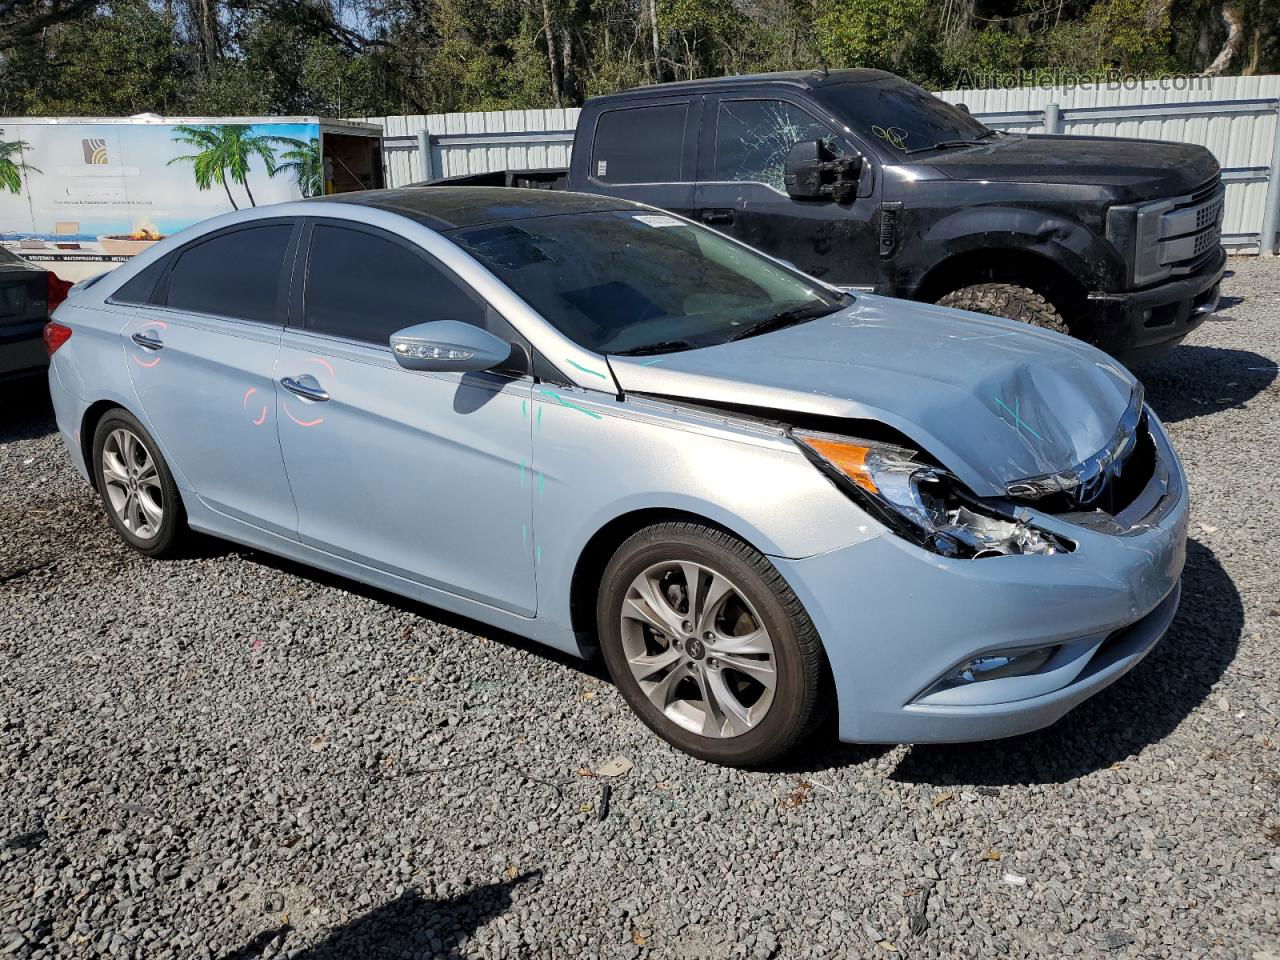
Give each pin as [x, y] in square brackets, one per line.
[738, 677]
[137, 488]
[1009, 301]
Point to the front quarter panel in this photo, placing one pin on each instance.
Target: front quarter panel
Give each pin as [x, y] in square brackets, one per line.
[597, 458]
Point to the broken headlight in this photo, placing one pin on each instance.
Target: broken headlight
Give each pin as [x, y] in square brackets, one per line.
[923, 503]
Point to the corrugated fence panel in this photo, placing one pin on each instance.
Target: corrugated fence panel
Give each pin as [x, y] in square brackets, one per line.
[1242, 139]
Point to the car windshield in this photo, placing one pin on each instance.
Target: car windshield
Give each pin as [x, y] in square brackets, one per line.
[906, 118]
[636, 281]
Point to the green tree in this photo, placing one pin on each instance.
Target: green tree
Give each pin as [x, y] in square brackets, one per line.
[303, 161]
[11, 170]
[225, 153]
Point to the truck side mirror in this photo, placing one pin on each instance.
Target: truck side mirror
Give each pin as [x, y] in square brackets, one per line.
[814, 172]
[964, 107]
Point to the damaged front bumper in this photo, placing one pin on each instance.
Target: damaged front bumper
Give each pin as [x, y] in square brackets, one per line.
[1144, 324]
[1101, 608]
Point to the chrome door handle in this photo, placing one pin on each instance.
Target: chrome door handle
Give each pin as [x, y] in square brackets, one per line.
[147, 343]
[305, 386]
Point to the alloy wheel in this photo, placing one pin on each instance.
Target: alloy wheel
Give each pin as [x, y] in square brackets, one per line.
[132, 481]
[698, 649]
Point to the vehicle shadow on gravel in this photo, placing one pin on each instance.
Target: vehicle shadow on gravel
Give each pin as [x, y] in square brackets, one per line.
[401, 927]
[1194, 381]
[1140, 709]
[26, 412]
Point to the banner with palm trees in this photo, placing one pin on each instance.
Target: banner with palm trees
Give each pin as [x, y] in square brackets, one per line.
[103, 192]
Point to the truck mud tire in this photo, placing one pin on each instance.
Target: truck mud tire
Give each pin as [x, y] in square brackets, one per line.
[1009, 301]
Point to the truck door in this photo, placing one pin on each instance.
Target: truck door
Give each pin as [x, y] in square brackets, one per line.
[646, 152]
[744, 143]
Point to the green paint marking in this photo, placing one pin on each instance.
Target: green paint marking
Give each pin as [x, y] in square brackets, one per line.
[650, 363]
[572, 406]
[1018, 422]
[521, 474]
[542, 484]
[594, 373]
[524, 534]
[537, 554]
[524, 408]
[539, 418]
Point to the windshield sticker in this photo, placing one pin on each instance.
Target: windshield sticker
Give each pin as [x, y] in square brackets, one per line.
[602, 168]
[895, 136]
[657, 220]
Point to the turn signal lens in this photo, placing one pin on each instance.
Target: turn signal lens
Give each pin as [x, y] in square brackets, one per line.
[55, 335]
[849, 458]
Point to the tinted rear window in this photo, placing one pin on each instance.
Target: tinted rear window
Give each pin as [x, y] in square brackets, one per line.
[366, 287]
[233, 275]
[640, 145]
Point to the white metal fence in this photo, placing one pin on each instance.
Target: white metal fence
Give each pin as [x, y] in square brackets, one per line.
[1237, 118]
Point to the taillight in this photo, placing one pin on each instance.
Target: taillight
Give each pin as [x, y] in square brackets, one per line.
[58, 289]
[55, 335]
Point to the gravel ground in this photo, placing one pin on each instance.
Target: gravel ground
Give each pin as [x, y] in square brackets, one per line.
[230, 756]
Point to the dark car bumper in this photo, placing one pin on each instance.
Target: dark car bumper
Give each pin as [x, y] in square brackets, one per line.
[22, 350]
[1146, 323]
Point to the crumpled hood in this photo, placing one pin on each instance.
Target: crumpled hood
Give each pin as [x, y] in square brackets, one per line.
[993, 400]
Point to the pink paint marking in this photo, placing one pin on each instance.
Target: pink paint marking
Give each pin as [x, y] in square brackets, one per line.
[323, 362]
[302, 423]
[256, 646]
[155, 323]
[261, 417]
[143, 363]
[247, 394]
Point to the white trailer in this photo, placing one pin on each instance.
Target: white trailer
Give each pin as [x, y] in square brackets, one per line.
[80, 195]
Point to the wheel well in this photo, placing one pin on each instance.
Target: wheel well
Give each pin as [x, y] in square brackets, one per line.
[88, 425]
[1040, 274]
[589, 570]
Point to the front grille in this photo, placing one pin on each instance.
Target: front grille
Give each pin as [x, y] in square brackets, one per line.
[1191, 231]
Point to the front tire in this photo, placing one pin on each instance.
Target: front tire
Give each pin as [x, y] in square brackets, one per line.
[709, 645]
[1010, 301]
[136, 486]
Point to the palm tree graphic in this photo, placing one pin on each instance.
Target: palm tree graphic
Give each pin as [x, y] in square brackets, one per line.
[11, 170]
[224, 153]
[303, 161]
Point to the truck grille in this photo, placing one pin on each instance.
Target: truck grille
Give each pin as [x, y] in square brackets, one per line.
[1191, 230]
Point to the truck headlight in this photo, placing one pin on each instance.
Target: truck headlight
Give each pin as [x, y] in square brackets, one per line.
[925, 504]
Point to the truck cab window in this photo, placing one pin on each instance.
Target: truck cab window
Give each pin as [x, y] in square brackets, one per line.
[640, 145]
[754, 136]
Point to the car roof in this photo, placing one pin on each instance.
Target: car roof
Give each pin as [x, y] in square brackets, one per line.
[806, 79]
[448, 208]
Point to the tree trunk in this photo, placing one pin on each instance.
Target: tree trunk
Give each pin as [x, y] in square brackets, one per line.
[227, 187]
[252, 202]
[551, 53]
[1231, 46]
[657, 47]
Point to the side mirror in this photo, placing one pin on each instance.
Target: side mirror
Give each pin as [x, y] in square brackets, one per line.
[813, 172]
[448, 345]
[964, 107]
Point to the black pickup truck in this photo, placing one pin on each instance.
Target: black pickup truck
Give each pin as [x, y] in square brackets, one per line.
[870, 182]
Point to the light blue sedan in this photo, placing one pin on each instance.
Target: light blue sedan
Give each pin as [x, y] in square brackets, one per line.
[612, 430]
